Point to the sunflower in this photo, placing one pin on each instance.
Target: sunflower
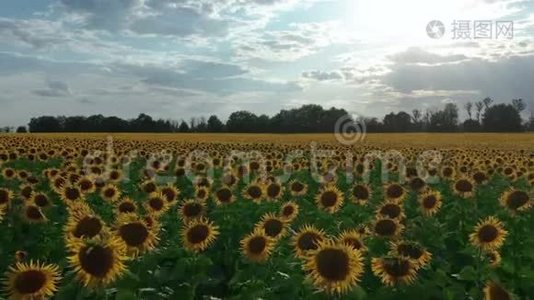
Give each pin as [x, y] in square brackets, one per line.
[464, 187]
[110, 193]
[224, 195]
[254, 192]
[395, 192]
[3, 210]
[448, 172]
[386, 227]
[97, 262]
[82, 225]
[297, 188]
[330, 199]
[125, 206]
[307, 238]
[192, 209]
[353, 239]
[149, 186]
[494, 258]
[5, 197]
[489, 234]
[33, 214]
[20, 255]
[495, 291]
[515, 200]
[32, 281]
[391, 210]
[57, 183]
[170, 192]
[480, 177]
[152, 222]
[202, 193]
[114, 176]
[334, 268]
[135, 234]
[79, 209]
[417, 184]
[273, 226]
[257, 246]
[361, 194]
[8, 173]
[412, 250]
[26, 191]
[274, 191]
[199, 234]
[156, 204]
[430, 202]
[70, 194]
[289, 211]
[40, 199]
[394, 270]
[23, 174]
[229, 179]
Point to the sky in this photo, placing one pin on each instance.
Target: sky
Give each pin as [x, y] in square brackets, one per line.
[175, 59]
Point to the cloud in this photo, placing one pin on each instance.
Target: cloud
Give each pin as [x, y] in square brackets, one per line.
[181, 18]
[416, 55]
[322, 76]
[54, 89]
[205, 69]
[158, 76]
[180, 21]
[504, 79]
[35, 33]
[301, 40]
[103, 14]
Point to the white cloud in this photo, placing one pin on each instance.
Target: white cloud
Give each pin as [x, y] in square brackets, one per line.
[55, 89]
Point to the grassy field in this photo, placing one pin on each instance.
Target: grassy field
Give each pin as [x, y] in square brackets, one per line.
[83, 219]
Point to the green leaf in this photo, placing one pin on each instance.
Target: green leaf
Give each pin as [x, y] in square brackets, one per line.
[125, 295]
[468, 273]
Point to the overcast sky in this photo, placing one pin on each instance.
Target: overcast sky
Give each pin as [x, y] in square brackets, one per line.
[182, 58]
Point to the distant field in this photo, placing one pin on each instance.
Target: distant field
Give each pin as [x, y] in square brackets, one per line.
[475, 140]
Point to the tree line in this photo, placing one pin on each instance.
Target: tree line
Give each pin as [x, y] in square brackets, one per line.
[483, 116]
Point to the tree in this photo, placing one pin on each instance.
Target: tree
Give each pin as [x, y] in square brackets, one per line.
[263, 123]
[75, 124]
[202, 126]
[445, 120]
[471, 125]
[241, 121]
[45, 124]
[21, 129]
[372, 125]
[502, 118]
[183, 127]
[193, 124]
[399, 122]
[519, 105]
[416, 115]
[479, 107]
[487, 102]
[214, 124]
[468, 108]
[530, 123]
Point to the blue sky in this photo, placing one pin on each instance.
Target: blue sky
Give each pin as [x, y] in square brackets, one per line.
[181, 58]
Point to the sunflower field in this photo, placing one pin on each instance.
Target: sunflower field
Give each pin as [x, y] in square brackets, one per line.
[148, 218]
